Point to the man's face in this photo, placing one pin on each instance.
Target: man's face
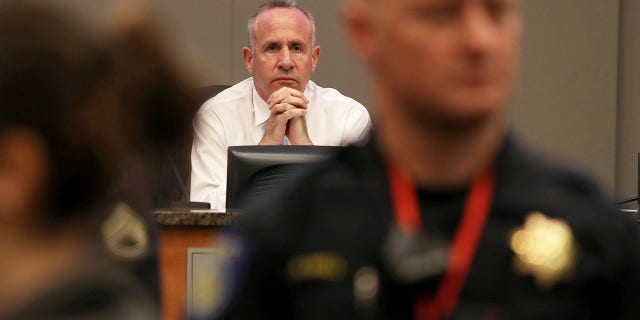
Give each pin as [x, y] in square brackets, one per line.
[449, 59]
[283, 54]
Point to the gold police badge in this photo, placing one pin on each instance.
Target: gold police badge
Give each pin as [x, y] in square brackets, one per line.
[545, 249]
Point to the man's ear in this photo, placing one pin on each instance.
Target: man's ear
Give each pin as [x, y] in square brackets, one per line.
[23, 171]
[248, 59]
[315, 55]
[357, 23]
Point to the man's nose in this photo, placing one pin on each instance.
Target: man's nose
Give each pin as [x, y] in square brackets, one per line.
[285, 61]
[480, 29]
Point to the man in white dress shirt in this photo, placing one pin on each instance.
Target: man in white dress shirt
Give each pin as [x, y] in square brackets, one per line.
[277, 105]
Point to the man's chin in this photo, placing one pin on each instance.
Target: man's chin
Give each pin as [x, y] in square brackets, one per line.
[456, 114]
[453, 123]
[289, 83]
[475, 103]
[473, 113]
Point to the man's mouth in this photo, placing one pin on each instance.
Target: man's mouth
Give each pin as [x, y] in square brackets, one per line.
[286, 79]
[476, 79]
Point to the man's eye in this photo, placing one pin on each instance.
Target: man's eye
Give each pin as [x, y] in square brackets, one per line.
[272, 48]
[297, 48]
[497, 9]
[440, 13]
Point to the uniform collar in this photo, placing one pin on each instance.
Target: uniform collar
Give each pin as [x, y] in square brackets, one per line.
[261, 108]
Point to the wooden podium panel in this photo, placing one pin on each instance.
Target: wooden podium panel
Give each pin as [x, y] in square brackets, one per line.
[175, 241]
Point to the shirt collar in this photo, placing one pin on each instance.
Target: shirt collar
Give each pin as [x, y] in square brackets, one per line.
[261, 108]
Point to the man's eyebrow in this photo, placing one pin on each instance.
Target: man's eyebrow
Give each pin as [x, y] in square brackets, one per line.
[272, 42]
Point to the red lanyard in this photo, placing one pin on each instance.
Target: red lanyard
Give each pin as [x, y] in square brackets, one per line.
[407, 214]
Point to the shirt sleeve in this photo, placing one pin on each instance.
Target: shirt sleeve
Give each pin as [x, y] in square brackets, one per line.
[357, 124]
[209, 160]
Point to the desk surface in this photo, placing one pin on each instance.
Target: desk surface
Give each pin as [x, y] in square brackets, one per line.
[193, 218]
[209, 218]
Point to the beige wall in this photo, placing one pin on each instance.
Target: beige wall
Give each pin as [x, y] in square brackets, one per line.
[628, 129]
[567, 105]
[567, 102]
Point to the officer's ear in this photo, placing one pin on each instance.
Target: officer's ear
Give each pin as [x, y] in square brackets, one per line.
[23, 171]
[357, 23]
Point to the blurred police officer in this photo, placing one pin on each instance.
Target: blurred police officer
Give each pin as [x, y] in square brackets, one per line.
[442, 215]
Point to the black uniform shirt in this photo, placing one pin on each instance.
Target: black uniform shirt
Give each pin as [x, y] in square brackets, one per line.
[300, 254]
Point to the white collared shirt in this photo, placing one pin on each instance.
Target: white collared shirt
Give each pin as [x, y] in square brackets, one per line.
[238, 116]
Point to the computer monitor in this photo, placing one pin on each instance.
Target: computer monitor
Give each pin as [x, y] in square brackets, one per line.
[257, 171]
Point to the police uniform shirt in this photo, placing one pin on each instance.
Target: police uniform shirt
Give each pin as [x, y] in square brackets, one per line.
[301, 255]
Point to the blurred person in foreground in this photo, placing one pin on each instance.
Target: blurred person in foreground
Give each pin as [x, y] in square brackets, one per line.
[72, 239]
[155, 105]
[278, 104]
[443, 214]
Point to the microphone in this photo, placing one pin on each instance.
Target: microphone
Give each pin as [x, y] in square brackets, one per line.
[627, 200]
[176, 172]
[637, 197]
[184, 203]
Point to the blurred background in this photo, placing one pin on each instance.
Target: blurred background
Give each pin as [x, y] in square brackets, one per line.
[576, 100]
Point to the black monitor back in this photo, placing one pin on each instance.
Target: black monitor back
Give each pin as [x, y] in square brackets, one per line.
[258, 171]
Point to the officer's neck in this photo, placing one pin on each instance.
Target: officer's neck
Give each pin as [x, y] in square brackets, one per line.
[439, 157]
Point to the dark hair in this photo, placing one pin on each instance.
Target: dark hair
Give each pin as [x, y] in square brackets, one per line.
[157, 98]
[96, 100]
[50, 70]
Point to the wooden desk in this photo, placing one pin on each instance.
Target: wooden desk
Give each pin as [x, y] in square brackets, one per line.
[181, 230]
